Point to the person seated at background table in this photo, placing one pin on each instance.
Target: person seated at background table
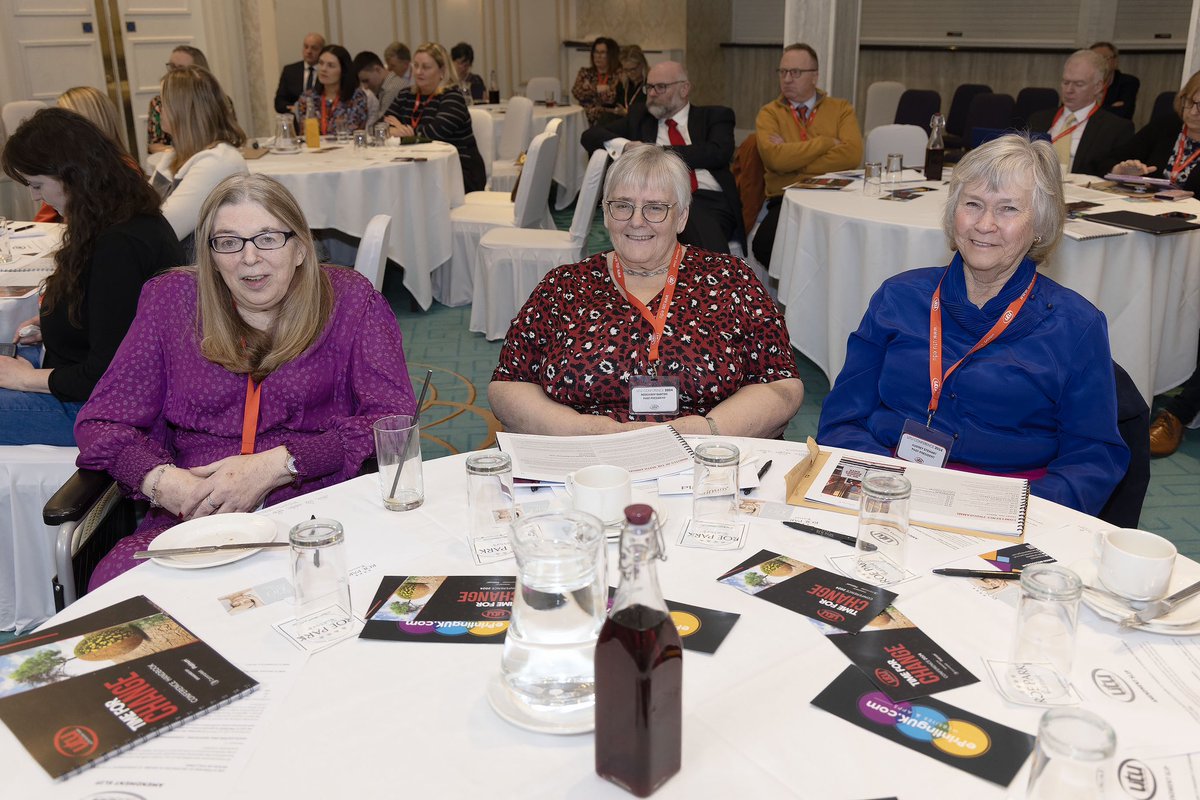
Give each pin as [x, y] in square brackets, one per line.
[378, 81]
[398, 58]
[1082, 131]
[432, 108]
[1022, 381]
[469, 83]
[802, 132]
[1120, 89]
[597, 341]
[158, 140]
[1165, 147]
[115, 238]
[299, 76]
[337, 98]
[252, 377]
[631, 86]
[207, 138]
[596, 86]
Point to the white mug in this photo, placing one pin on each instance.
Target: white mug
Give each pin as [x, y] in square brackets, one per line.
[601, 490]
[1136, 564]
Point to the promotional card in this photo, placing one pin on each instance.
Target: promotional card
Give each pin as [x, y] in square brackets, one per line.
[842, 602]
[939, 730]
[470, 609]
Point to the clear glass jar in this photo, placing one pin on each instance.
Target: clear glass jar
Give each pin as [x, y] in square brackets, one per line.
[882, 542]
[715, 483]
[1047, 616]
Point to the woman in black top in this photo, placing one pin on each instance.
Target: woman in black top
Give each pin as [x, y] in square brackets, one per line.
[114, 239]
[433, 108]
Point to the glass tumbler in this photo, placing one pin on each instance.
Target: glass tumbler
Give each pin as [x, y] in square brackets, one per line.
[895, 166]
[1047, 615]
[5, 241]
[398, 450]
[490, 494]
[715, 483]
[320, 580]
[360, 140]
[380, 133]
[873, 179]
[882, 542]
[1073, 751]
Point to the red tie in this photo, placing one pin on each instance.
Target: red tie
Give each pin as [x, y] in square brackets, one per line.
[676, 139]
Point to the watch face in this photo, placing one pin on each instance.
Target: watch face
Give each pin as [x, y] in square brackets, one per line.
[291, 465]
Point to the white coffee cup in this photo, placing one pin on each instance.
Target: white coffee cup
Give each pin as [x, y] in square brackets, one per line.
[601, 490]
[1136, 564]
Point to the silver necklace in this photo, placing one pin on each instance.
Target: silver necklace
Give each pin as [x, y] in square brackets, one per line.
[649, 273]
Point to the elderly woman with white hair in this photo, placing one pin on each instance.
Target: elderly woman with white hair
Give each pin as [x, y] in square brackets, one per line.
[984, 363]
[651, 332]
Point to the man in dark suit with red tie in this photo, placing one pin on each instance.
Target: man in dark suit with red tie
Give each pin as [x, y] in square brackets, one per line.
[297, 78]
[703, 138]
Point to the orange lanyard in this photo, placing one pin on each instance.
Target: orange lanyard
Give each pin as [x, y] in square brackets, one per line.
[1178, 168]
[801, 121]
[416, 113]
[250, 415]
[659, 320]
[327, 110]
[936, 378]
[602, 79]
[1066, 132]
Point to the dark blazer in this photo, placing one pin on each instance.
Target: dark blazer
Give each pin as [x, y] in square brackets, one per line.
[291, 86]
[1123, 90]
[709, 127]
[1152, 145]
[1104, 132]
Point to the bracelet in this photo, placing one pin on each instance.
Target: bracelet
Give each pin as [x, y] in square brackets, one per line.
[712, 426]
[154, 487]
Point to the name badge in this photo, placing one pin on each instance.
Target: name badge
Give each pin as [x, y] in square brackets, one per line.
[922, 445]
[653, 395]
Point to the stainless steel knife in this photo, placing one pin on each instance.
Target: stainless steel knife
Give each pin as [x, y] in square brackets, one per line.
[208, 548]
[1160, 607]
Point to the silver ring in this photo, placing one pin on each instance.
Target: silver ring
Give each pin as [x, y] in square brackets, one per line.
[211, 504]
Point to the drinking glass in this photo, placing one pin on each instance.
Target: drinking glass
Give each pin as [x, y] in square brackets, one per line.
[320, 580]
[1047, 615]
[398, 450]
[551, 99]
[873, 179]
[360, 140]
[381, 134]
[285, 134]
[547, 669]
[341, 130]
[5, 241]
[882, 542]
[895, 168]
[715, 483]
[1073, 751]
[489, 494]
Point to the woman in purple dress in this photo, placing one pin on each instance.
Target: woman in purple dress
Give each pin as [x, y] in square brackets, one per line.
[253, 377]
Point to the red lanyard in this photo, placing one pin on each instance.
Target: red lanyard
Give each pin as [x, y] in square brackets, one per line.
[602, 79]
[1178, 168]
[936, 378]
[802, 121]
[331, 107]
[659, 320]
[1079, 122]
[416, 113]
[250, 415]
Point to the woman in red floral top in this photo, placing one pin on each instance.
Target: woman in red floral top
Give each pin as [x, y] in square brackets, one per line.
[583, 356]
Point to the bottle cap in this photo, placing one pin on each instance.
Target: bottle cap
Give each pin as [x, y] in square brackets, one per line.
[639, 514]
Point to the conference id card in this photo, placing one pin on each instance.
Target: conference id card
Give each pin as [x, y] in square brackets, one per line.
[921, 444]
[649, 394]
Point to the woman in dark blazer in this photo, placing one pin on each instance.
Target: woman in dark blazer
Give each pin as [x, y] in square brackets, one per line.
[1167, 147]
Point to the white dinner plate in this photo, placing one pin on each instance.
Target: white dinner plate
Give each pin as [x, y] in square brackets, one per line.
[295, 152]
[1183, 621]
[216, 529]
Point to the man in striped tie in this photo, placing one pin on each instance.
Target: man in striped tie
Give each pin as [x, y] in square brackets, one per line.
[703, 138]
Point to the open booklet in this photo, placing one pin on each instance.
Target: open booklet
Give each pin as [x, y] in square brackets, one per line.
[962, 502]
[646, 452]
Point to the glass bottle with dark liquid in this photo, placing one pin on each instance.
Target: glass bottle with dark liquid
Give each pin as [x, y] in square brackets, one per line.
[493, 89]
[639, 669]
[935, 151]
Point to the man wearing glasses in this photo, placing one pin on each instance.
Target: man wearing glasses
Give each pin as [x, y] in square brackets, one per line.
[1081, 131]
[802, 132]
[701, 135]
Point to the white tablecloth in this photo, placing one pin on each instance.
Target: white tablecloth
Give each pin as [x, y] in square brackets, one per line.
[24, 271]
[343, 189]
[834, 248]
[365, 715]
[571, 162]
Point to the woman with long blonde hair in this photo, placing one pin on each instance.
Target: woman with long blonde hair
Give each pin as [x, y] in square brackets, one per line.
[90, 103]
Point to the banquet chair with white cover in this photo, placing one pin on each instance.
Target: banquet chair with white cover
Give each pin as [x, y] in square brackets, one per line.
[514, 140]
[506, 196]
[511, 261]
[909, 140]
[452, 281]
[883, 97]
[538, 88]
[18, 111]
[371, 260]
[481, 127]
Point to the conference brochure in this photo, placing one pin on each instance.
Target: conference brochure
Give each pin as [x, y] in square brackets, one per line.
[647, 453]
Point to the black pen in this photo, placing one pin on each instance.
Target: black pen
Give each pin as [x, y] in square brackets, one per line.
[979, 573]
[22, 228]
[838, 537]
[761, 471]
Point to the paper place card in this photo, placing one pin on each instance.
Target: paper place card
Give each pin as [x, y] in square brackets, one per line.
[320, 630]
[490, 549]
[874, 568]
[1031, 684]
[764, 509]
[714, 535]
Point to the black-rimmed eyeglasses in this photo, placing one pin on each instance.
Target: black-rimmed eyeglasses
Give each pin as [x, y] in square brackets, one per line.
[622, 211]
[227, 244]
[659, 88]
[794, 74]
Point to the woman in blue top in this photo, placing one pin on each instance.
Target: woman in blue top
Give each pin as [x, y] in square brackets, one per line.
[1034, 394]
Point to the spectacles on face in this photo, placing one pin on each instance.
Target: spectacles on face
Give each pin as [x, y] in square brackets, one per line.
[173, 67]
[659, 88]
[227, 244]
[1189, 104]
[622, 211]
[793, 74]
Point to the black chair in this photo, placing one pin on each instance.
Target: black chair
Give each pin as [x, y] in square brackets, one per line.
[1164, 105]
[1030, 100]
[917, 107]
[960, 105]
[1124, 506]
[988, 110]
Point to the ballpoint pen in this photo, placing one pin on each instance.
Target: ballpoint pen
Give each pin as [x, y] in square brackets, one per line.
[979, 573]
[761, 471]
[813, 529]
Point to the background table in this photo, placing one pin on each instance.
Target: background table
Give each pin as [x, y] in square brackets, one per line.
[343, 189]
[357, 717]
[834, 249]
[24, 271]
[571, 162]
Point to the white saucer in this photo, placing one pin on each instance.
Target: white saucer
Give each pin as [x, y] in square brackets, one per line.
[216, 529]
[1183, 621]
[570, 723]
[278, 152]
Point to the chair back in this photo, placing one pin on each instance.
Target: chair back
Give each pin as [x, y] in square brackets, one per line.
[883, 97]
[485, 138]
[1031, 100]
[518, 128]
[917, 106]
[960, 105]
[1164, 105]
[988, 110]
[537, 88]
[372, 256]
[589, 195]
[533, 194]
[18, 111]
[1124, 506]
[748, 172]
[909, 140]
